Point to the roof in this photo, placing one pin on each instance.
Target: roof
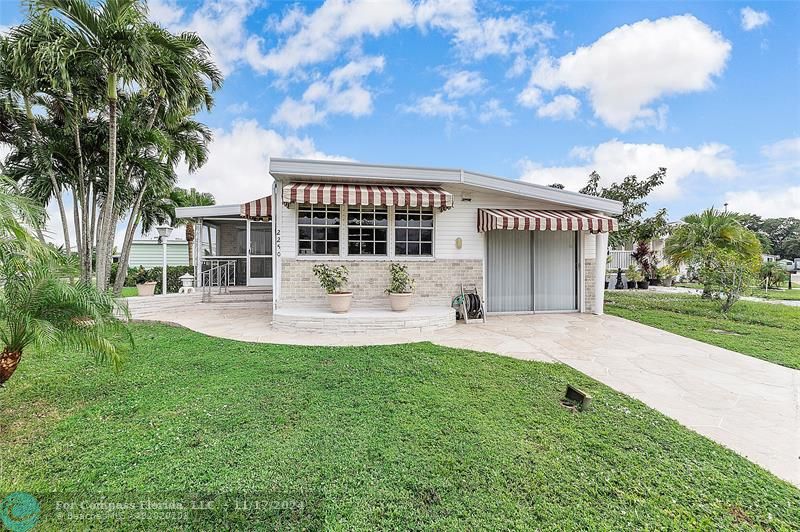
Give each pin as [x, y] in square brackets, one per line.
[345, 171]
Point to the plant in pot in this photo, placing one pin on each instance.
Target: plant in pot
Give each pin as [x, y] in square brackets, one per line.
[667, 274]
[401, 287]
[646, 259]
[333, 279]
[145, 284]
[632, 275]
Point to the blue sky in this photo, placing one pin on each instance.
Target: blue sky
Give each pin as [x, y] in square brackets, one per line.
[545, 92]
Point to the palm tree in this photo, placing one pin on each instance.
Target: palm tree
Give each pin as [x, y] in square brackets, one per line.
[37, 306]
[699, 232]
[113, 36]
[191, 198]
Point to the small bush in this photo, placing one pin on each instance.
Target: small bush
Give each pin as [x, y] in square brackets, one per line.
[331, 278]
[142, 275]
[401, 282]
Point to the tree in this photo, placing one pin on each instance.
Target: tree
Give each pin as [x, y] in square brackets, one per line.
[39, 307]
[711, 230]
[632, 192]
[113, 35]
[779, 236]
[772, 274]
[727, 273]
[191, 198]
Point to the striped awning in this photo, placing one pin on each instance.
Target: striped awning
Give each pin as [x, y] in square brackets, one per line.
[381, 195]
[259, 209]
[535, 220]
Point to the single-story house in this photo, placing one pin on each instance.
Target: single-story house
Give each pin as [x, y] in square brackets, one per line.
[149, 253]
[526, 248]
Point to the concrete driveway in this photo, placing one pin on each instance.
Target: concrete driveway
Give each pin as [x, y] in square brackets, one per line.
[743, 403]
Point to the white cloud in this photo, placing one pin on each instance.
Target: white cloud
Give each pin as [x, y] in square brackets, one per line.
[530, 97]
[322, 34]
[341, 92]
[492, 110]
[434, 105]
[634, 65]
[614, 160]
[562, 106]
[772, 203]
[238, 108]
[463, 83]
[165, 12]
[238, 164]
[752, 19]
[783, 149]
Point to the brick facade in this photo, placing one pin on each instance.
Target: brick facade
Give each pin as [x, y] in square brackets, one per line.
[437, 282]
[588, 284]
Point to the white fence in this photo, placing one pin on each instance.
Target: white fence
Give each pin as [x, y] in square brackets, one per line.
[620, 259]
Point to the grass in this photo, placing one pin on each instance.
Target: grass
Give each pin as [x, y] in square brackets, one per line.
[411, 436]
[784, 294]
[760, 330]
[129, 291]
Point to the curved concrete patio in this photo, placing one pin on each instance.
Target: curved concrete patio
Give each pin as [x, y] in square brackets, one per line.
[744, 403]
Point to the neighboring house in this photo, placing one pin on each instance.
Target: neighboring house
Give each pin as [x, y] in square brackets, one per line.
[770, 258]
[149, 253]
[527, 248]
[621, 258]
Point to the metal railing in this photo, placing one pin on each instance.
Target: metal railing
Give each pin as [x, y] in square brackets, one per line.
[620, 259]
[221, 275]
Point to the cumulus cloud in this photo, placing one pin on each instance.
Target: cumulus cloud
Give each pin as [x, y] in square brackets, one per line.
[634, 65]
[530, 97]
[493, 111]
[788, 149]
[463, 83]
[238, 164]
[772, 203]
[341, 92]
[614, 160]
[432, 106]
[165, 12]
[562, 106]
[752, 19]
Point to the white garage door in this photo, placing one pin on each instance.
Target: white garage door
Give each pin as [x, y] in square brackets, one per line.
[532, 271]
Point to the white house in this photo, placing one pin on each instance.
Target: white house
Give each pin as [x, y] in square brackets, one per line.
[149, 253]
[527, 248]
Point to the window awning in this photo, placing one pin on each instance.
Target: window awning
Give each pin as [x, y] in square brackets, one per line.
[259, 209]
[535, 220]
[380, 195]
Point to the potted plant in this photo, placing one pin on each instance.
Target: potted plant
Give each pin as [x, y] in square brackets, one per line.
[333, 279]
[145, 285]
[400, 288]
[632, 275]
[667, 274]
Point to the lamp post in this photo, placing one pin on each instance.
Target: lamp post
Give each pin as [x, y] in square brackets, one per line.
[163, 233]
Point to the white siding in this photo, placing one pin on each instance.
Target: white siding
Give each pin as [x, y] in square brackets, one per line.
[149, 254]
[588, 245]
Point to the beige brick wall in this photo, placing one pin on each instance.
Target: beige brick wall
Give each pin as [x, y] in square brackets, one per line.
[437, 282]
[588, 289]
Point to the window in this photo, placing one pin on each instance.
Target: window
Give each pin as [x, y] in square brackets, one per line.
[318, 229]
[367, 230]
[413, 233]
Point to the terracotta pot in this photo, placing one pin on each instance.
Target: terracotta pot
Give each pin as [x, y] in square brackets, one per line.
[146, 289]
[643, 285]
[340, 302]
[400, 302]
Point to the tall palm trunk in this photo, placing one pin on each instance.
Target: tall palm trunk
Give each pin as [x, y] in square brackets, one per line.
[82, 229]
[9, 360]
[130, 232]
[190, 236]
[107, 226]
[51, 175]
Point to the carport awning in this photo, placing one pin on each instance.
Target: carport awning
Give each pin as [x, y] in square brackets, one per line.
[379, 195]
[534, 220]
[259, 209]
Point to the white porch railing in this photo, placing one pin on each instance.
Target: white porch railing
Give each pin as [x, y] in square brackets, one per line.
[620, 259]
[221, 274]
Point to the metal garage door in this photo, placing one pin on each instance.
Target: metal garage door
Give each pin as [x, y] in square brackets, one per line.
[531, 271]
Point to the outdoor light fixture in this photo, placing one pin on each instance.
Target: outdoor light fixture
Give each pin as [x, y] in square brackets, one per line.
[459, 243]
[576, 399]
[163, 233]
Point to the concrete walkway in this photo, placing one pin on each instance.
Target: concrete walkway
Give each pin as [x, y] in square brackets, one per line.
[744, 403]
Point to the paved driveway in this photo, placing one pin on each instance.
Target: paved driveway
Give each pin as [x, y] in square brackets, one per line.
[746, 404]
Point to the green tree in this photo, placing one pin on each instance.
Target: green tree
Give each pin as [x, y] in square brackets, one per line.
[772, 274]
[727, 273]
[694, 242]
[191, 198]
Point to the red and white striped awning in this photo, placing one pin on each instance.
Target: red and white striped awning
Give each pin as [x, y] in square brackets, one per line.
[534, 220]
[259, 209]
[380, 195]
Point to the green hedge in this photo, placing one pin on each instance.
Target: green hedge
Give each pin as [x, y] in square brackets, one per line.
[136, 275]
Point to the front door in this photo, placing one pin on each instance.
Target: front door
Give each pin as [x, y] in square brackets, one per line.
[259, 254]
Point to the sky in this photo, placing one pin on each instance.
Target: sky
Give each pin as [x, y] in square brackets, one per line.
[541, 92]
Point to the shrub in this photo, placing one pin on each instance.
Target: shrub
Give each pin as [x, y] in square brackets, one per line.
[173, 275]
[331, 278]
[772, 274]
[401, 282]
[634, 274]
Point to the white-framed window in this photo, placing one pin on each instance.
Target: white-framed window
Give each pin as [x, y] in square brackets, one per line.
[318, 229]
[367, 230]
[413, 232]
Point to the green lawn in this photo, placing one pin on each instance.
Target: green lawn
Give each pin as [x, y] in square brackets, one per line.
[411, 436]
[785, 295]
[129, 291]
[761, 330]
